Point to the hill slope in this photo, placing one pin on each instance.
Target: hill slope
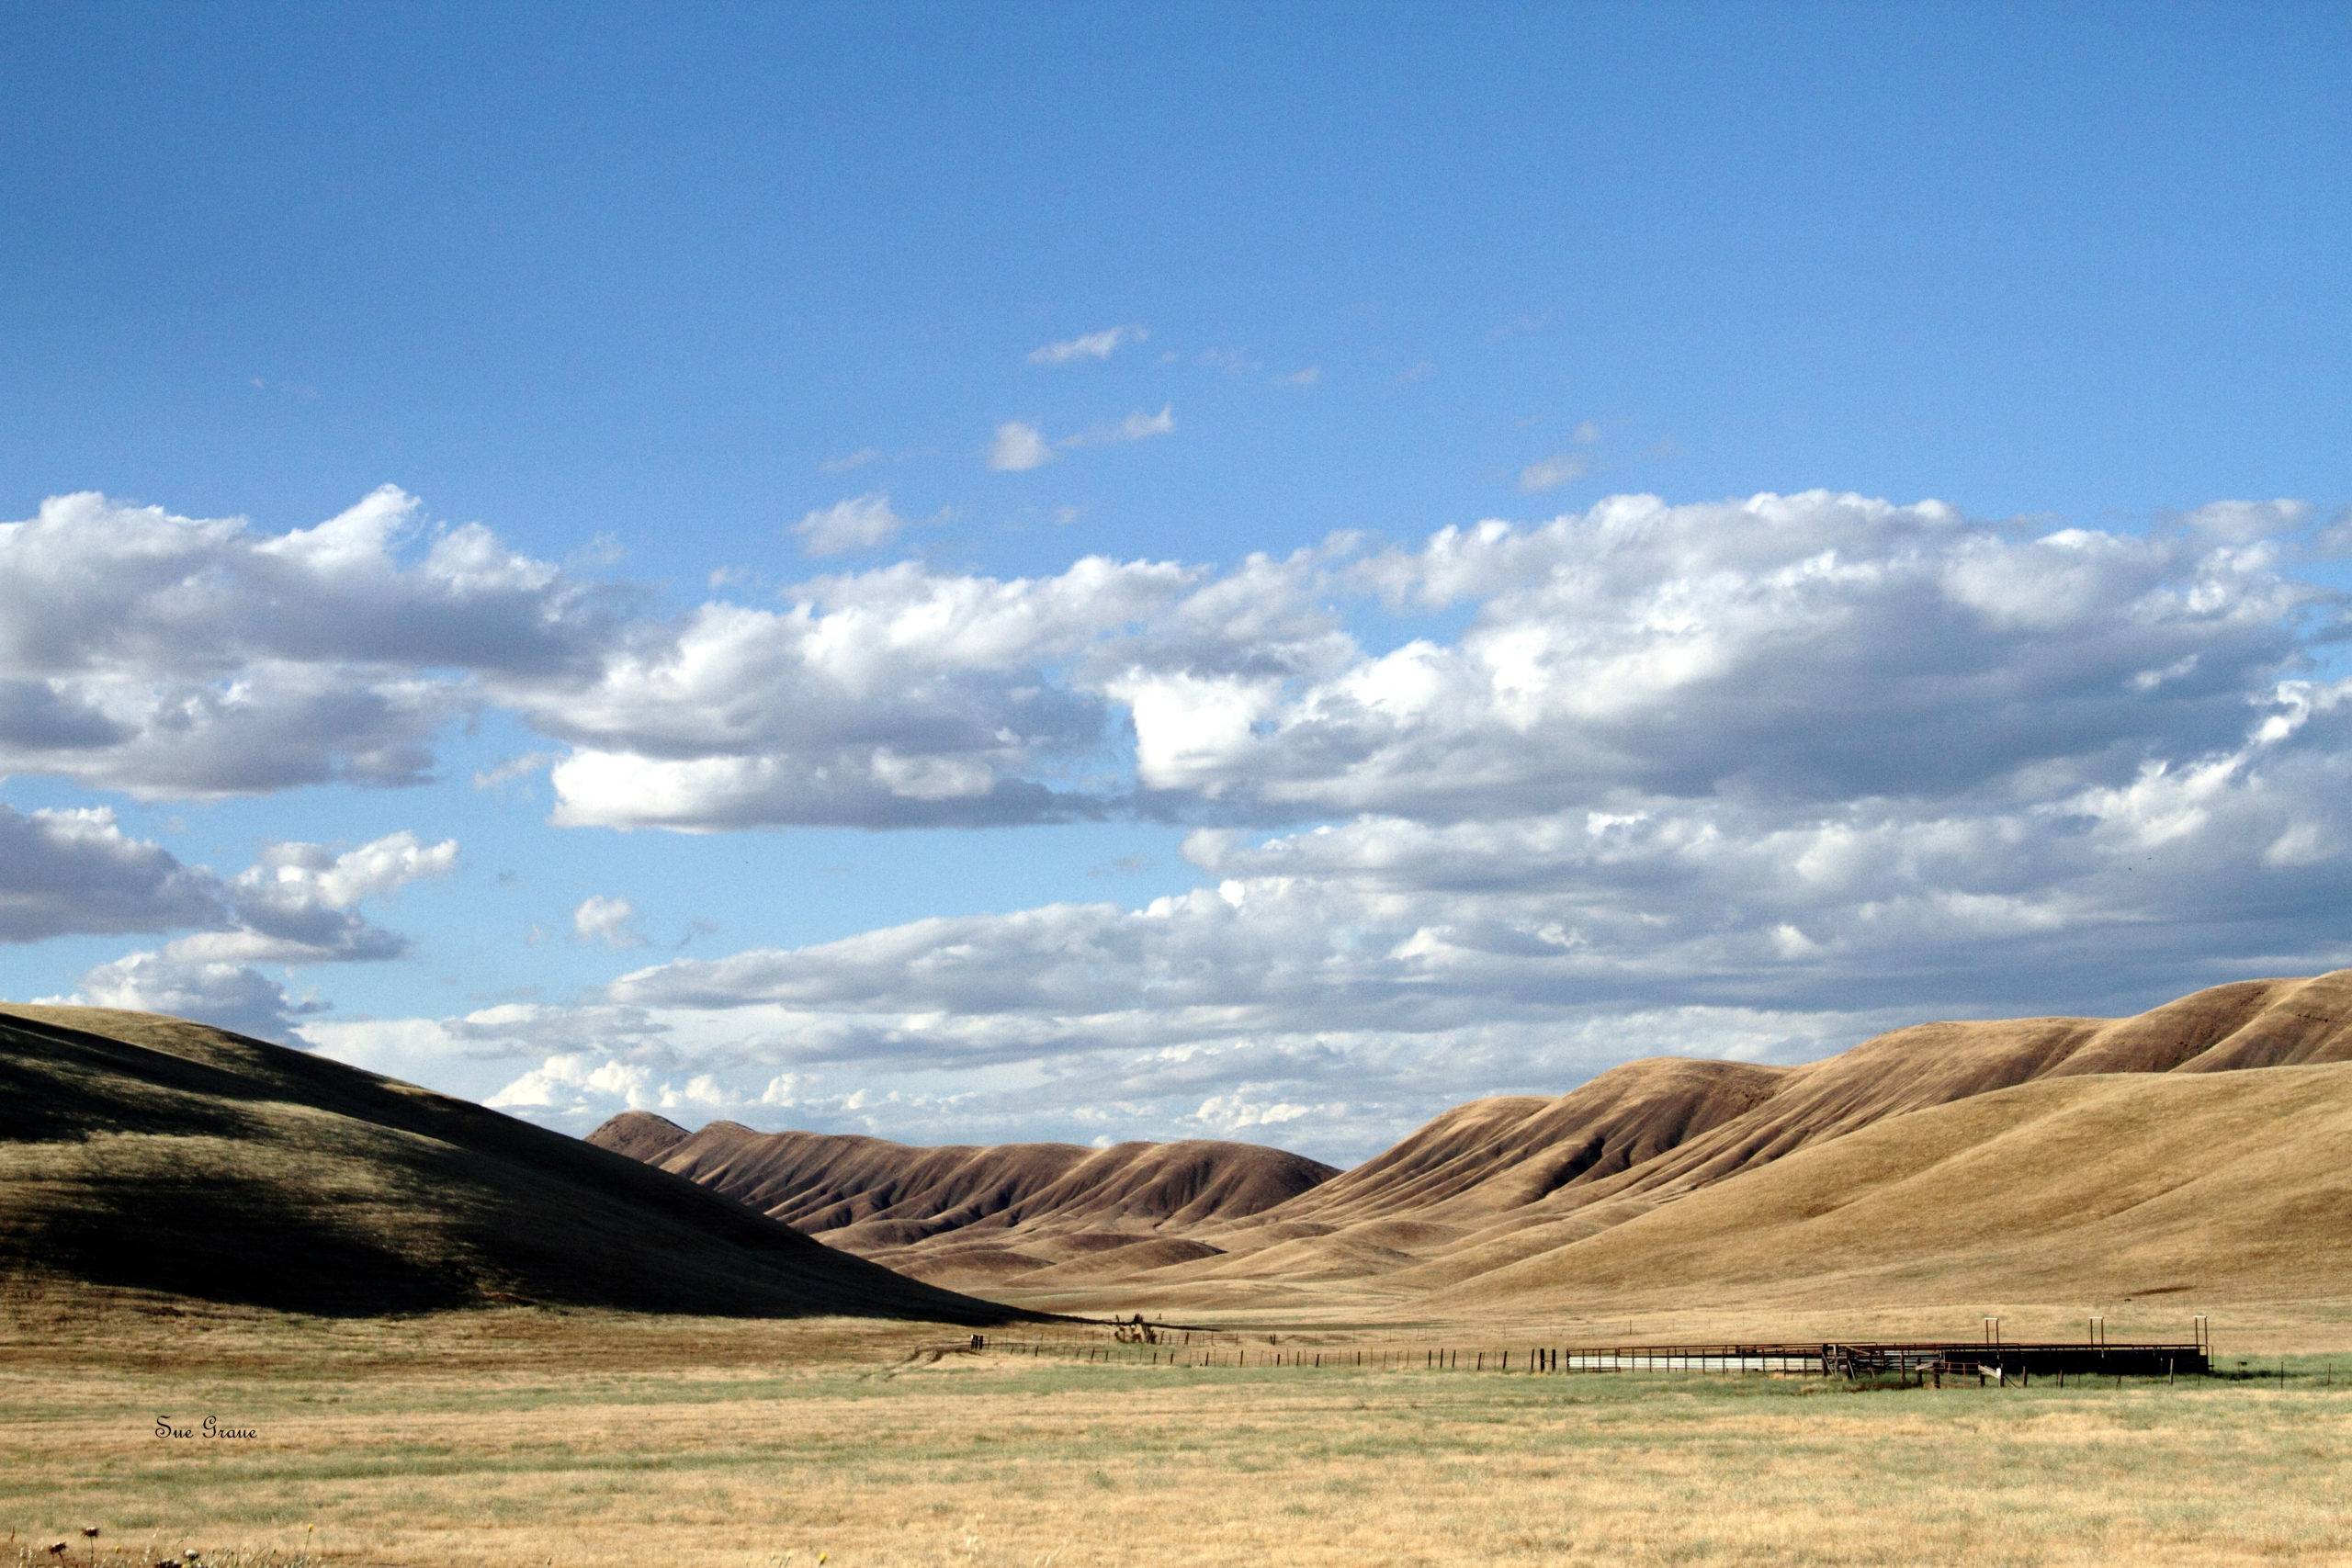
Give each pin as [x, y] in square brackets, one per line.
[2103, 1186]
[151, 1154]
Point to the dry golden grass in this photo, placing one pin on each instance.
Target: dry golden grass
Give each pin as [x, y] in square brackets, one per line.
[527, 1438]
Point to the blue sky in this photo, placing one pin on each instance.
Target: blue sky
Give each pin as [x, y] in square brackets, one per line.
[758, 383]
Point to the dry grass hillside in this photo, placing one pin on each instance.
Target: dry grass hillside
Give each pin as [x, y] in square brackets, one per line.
[1671, 1178]
[2110, 1188]
[144, 1154]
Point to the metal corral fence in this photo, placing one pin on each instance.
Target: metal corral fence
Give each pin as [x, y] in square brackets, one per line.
[1908, 1361]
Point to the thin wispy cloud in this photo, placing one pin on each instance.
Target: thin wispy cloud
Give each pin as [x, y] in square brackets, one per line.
[845, 463]
[1550, 473]
[1092, 345]
[1017, 447]
[1136, 426]
[507, 769]
[1306, 377]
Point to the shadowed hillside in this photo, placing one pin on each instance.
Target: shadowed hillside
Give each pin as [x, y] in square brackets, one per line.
[148, 1154]
[1665, 1174]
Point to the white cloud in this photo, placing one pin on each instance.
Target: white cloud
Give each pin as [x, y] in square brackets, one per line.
[297, 905]
[76, 872]
[1340, 983]
[1018, 448]
[2244, 522]
[1818, 647]
[612, 921]
[1550, 473]
[65, 872]
[508, 769]
[1306, 377]
[1822, 646]
[860, 523]
[165, 656]
[894, 696]
[849, 461]
[1092, 345]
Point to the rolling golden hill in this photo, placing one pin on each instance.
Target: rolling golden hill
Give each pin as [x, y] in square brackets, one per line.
[2110, 1187]
[146, 1154]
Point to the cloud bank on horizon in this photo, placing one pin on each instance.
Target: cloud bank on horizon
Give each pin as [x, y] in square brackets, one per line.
[1744, 776]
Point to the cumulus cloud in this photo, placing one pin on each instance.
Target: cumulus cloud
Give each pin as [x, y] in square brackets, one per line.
[1018, 448]
[76, 872]
[1819, 647]
[69, 872]
[167, 656]
[901, 696]
[612, 921]
[296, 904]
[860, 523]
[1092, 345]
[1388, 925]
[1816, 647]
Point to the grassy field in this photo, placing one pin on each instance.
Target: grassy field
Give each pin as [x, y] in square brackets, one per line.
[527, 1439]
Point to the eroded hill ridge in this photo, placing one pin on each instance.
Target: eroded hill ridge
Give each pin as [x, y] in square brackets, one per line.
[2121, 1156]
